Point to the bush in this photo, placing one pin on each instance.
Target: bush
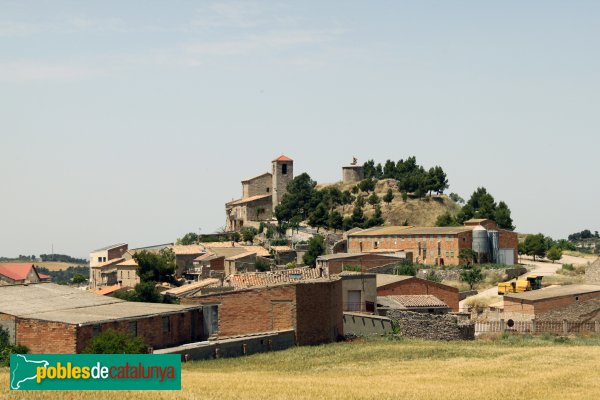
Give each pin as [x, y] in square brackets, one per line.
[279, 242]
[405, 269]
[6, 349]
[352, 268]
[261, 265]
[113, 342]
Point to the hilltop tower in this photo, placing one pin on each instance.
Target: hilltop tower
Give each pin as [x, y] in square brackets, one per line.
[283, 173]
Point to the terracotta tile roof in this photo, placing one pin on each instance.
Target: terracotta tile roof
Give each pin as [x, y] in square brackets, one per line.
[412, 230]
[253, 279]
[283, 158]
[257, 176]
[410, 301]
[16, 271]
[106, 290]
[239, 256]
[259, 250]
[187, 249]
[211, 282]
[248, 199]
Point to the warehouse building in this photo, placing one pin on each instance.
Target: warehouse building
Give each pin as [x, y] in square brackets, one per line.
[440, 245]
[50, 318]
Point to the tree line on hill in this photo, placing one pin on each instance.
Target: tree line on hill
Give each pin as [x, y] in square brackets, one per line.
[481, 205]
[411, 177]
[583, 235]
[304, 202]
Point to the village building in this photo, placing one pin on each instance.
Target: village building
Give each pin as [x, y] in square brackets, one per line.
[393, 285]
[50, 318]
[311, 309]
[440, 245]
[260, 195]
[338, 262]
[421, 303]
[359, 292]
[19, 273]
[542, 301]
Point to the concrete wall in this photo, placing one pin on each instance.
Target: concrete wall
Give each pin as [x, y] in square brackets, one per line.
[367, 286]
[431, 327]
[352, 173]
[416, 286]
[366, 325]
[234, 347]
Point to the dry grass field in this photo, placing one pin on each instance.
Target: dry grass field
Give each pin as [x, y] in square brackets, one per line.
[57, 266]
[513, 368]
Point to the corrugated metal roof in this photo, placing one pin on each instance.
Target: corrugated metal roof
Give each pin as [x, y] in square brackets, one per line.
[59, 303]
[557, 291]
[112, 246]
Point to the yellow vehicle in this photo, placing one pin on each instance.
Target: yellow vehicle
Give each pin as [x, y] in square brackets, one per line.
[532, 282]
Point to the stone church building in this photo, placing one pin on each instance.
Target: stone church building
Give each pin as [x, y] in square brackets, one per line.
[260, 195]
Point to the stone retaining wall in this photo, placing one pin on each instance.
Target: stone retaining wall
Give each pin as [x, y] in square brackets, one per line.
[431, 327]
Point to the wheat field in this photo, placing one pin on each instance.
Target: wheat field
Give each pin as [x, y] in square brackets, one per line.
[384, 369]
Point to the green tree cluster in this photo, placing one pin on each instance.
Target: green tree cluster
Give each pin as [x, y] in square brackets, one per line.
[113, 342]
[316, 247]
[188, 238]
[411, 177]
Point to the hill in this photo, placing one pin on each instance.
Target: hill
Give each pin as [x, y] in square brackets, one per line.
[418, 212]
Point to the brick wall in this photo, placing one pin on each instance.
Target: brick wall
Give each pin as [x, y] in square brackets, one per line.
[117, 252]
[319, 312]
[253, 310]
[545, 305]
[46, 337]
[415, 286]
[449, 246]
[366, 262]
[151, 330]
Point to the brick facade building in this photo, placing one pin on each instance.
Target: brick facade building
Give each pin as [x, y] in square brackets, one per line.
[49, 318]
[433, 245]
[389, 285]
[312, 309]
[335, 263]
[545, 300]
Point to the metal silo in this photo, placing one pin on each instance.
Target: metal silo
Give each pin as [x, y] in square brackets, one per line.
[481, 244]
[494, 245]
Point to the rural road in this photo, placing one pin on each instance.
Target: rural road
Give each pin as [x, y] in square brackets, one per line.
[544, 268]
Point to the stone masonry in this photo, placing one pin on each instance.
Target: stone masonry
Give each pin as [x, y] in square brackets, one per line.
[431, 327]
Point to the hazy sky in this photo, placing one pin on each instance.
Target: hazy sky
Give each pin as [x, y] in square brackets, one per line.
[136, 121]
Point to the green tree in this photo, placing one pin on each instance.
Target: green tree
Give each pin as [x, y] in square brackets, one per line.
[535, 246]
[79, 278]
[319, 217]
[404, 197]
[248, 233]
[472, 276]
[388, 197]
[347, 199]
[113, 342]
[554, 254]
[316, 247]
[261, 266]
[374, 200]
[336, 221]
[405, 268]
[360, 201]
[456, 198]
[446, 219]
[466, 256]
[376, 219]
[188, 238]
[6, 349]
[358, 217]
[502, 217]
[297, 200]
[482, 205]
[367, 185]
[355, 189]
[156, 267]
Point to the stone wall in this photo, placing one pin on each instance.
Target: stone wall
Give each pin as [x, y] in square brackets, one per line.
[431, 327]
[454, 274]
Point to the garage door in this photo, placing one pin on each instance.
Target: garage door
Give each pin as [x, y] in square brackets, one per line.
[354, 300]
[506, 256]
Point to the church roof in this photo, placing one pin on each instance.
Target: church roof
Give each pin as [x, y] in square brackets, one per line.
[282, 158]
